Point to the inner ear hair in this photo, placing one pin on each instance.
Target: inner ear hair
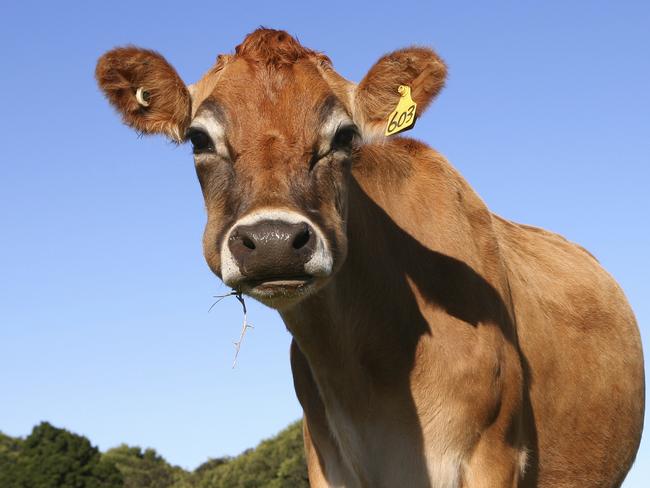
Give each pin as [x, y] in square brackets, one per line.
[418, 67]
[146, 90]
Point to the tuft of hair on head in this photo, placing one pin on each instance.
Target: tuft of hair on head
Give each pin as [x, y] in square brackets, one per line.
[274, 47]
[146, 90]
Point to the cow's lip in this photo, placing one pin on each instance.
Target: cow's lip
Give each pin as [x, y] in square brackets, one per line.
[278, 282]
[280, 292]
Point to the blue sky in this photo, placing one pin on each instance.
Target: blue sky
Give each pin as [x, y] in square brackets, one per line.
[104, 293]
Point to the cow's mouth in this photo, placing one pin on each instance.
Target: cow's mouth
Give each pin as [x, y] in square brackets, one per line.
[280, 281]
[273, 288]
[276, 284]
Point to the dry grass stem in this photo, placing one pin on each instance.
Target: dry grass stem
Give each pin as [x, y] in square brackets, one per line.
[221, 297]
[245, 325]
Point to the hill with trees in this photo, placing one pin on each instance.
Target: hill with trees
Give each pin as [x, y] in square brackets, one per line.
[51, 457]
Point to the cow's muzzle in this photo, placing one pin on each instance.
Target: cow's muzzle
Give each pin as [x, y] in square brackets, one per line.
[270, 253]
[272, 249]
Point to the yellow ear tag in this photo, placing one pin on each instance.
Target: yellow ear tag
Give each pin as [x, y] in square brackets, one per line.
[403, 117]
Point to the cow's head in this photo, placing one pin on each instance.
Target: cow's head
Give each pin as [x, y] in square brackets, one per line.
[274, 131]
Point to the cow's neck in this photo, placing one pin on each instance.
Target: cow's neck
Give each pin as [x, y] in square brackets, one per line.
[421, 245]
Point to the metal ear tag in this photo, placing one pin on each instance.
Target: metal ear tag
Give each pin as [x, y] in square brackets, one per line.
[142, 96]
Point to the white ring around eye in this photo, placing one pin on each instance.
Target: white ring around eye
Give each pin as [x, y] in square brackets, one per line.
[142, 96]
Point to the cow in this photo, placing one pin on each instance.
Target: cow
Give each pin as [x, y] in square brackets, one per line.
[434, 343]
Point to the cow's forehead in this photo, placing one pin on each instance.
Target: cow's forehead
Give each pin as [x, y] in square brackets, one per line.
[271, 67]
[253, 96]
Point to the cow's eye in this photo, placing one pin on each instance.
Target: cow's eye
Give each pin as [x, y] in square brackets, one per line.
[345, 136]
[201, 141]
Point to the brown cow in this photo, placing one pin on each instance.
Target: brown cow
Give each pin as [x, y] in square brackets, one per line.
[435, 343]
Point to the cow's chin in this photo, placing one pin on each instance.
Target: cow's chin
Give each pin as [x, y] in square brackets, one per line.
[280, 292]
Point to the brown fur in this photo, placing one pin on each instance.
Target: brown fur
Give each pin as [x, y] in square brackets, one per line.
[450, 347]
[418, 67]
[122, 71]
[274, 48]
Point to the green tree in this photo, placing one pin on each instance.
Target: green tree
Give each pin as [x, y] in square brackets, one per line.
[9, 452]
[9, 448]
[144, 469]
[275, 463]
[55, 458]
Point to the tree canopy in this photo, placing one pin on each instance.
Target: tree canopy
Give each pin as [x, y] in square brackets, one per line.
[54, 458]
[275, 463]
[51, 457]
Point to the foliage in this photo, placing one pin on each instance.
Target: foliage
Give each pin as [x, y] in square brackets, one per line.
[276, 463]
[9, 452]
[55, 458]
[143, 469]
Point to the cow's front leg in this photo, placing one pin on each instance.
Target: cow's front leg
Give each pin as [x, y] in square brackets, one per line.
[499, 456]
[494, 464]
[315, 468]
[324, 464]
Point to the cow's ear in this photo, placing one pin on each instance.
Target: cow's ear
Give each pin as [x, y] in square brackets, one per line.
[146, 90]
[377, 95]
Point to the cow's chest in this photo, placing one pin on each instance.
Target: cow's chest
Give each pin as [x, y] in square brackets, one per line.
[418, 433]
[388, 447]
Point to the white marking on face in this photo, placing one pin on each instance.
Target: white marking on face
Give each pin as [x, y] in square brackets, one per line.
[338, 118]
[217, 132]
[319, 265]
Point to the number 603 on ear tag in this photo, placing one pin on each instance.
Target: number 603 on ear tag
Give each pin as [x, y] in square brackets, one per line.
[403, 117]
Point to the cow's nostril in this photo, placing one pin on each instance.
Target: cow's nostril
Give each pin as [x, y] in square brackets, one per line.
[268, 249]
[247, 241]
[302, 238]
